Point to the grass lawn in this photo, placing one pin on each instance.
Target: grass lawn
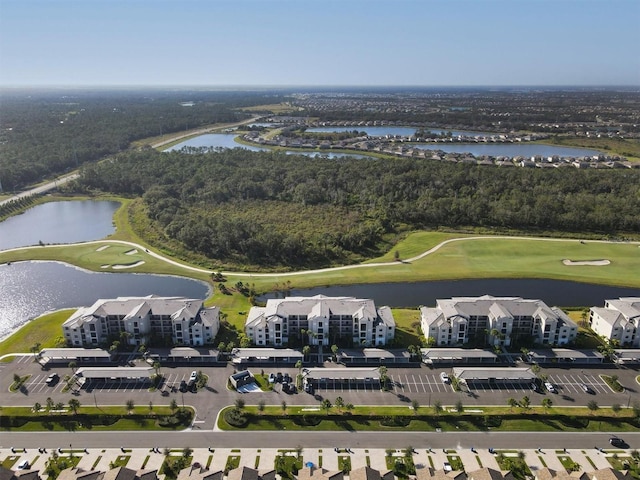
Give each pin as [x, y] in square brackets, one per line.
[44, 330]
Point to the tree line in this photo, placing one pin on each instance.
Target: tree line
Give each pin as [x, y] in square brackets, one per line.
[269, 208]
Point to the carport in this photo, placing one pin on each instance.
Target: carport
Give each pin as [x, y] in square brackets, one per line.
[498, 376]
[139, 375]
[457, 356]
[185, 356]
[565, 355]
[78, 355]
[350, 377]
[267, 356]
[627, 357]
[373, 356]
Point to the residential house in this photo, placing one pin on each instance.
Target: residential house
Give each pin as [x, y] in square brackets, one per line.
[140, 320]
[496, 320]
[324, 320]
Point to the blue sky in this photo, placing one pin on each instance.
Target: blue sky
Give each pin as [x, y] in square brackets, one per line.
[319, 42]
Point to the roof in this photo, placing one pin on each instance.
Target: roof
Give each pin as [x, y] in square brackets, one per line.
[266, 353]
[564, 353]
[178, 308]
[498, 373]
[115, 372]
[246, 473]
[345, 373]
[373, 353]
[312, 473]
[456, 353]
[319, 306]
[368, 473]
[73, 353]
[490, 474]
[432, 474]
[119, 473]
[628, 306]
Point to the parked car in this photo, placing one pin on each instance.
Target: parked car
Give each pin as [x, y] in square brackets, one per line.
[309, 388]
[272, 378]
[286, 378]
[183, 386]
[587, 389]
[24, 465]
[533, 386]
[52, 379]
[444, 377]
[279, 377]
[194, 376]
[550, 388]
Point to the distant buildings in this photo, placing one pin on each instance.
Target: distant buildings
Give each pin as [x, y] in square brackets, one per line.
[324, 320]
[498, 321]
[617, 320]
[141, 320]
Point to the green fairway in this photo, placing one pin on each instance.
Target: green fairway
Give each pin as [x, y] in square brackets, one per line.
[45, 330]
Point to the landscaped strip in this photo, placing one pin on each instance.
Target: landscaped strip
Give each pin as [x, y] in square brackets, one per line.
[401, 419]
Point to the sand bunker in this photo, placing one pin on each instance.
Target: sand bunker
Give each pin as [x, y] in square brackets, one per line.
[103, 247]
[592, 263]
[131, 252]
[132, 265]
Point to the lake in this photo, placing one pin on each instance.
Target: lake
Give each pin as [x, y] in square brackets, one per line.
[29, 289]
[402, 131]
[553, 292]
[226, 140]
[59, 222]
[507, 149]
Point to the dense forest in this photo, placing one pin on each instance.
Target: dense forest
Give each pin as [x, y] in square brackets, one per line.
[45, 133]
[271, 209]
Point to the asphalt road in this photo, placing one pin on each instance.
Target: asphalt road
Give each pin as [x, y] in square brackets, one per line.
[42, 188]
[281, 439]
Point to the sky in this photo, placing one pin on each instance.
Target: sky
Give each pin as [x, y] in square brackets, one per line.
[319, 42]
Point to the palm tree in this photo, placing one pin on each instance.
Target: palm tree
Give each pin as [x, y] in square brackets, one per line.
[459, 406]
[261, 405]
[37, 407]
[547, 403]
[326, 405]
[592, 405]
[173, 405]
[339, 403]
[239, 403]
[512, 402]
[74, 404]
[50, 403]
[130, 405]
[415, 405]
[35, 348]
[73, 366]
[306, 350]
[437, 407]
[525, 402]
[283, 405]
[156, 367]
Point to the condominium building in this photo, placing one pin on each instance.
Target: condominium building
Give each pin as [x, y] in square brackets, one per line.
[322, 320]
[497, 321]
[618, 320]
[143, 320]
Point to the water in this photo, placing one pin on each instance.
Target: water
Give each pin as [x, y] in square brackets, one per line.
[214, 140]
[29, 289]
[59, 222]
[552, 292]
[510, 150]
[402, 131]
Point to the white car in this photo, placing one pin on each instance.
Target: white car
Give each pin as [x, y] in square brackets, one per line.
[444, 377]
[194, 376]
[550, 387]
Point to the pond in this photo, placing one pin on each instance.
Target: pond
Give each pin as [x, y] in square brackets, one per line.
[552, 292]
[510, 150]
[29, 289]
[59, 222]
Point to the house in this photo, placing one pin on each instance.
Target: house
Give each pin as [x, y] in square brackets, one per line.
[617, 320]
[199, 473]
[246, 473]
[140, 320]
[313, 473]
[368, 473]
[323, 320]
[498, 321]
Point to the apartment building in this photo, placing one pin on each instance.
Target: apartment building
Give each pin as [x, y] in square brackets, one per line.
[143, 320]
[618, 320]
[497, 321]
[320, 320]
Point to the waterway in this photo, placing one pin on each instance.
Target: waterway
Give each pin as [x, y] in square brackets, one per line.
[552, 292]
[59, 222]
[401, 131]
[30, 289]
